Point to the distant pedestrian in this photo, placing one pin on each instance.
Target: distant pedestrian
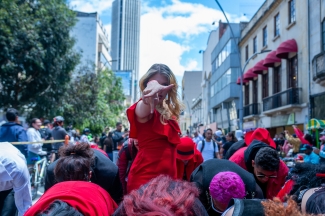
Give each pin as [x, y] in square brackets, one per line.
[208, 147]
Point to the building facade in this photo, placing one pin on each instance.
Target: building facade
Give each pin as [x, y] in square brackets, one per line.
[125, 39]
[206, 75]
[276, 87]
[316, 29]
[191, 89]
[91, 40]
[223, 93]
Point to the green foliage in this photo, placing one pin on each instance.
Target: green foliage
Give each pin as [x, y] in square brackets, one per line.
[93, 101]
[36, 55]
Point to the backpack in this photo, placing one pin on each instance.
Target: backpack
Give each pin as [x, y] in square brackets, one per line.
[45, 134]
[214, 147]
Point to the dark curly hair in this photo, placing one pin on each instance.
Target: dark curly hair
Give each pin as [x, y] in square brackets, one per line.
[162, 196]
[74, 163]
[268, 159]
[60, 208]
[304, 174]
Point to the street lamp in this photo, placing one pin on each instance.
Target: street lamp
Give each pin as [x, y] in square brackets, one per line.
[241, 104]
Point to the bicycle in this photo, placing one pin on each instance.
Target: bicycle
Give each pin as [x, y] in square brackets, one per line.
[37, 174]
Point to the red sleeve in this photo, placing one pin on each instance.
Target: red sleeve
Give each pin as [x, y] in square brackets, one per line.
[132, 118]
[122, 164]
[287, 187]
[301, 135]
[238, 158]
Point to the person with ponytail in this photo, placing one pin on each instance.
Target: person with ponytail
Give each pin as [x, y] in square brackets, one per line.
[153, 121]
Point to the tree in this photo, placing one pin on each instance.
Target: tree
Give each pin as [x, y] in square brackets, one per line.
[93, 101]
[36, 54]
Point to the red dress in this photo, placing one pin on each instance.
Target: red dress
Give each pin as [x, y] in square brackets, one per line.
[157, 149]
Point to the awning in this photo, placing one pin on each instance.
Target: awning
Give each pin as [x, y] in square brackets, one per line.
[249, 75]
[286, 47]
[271, 59]
[259, 68]
[238, 81]
[316, 124]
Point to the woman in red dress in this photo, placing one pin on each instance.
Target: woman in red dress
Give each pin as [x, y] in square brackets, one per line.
[153, 122]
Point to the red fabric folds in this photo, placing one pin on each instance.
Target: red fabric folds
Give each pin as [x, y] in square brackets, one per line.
[88, 198]
[157, 149]
[262, 135]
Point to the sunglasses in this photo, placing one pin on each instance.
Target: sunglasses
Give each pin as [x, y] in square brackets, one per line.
[265, 176]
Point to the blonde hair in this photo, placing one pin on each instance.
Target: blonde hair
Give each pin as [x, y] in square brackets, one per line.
[171, 107]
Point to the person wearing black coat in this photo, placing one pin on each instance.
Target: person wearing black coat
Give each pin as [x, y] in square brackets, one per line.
[104, 173]
[204, 173]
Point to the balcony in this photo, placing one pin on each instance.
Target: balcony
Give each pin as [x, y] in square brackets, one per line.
[252, 109]
[282, 101]
[319, 68]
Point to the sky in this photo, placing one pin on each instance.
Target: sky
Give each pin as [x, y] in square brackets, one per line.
[174, 31]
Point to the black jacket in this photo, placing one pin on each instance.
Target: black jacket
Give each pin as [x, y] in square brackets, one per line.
[234, 147]
[104, 174]
[251, 152]
[204, 173]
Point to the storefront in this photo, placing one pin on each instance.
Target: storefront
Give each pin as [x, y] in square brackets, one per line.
[281, 123]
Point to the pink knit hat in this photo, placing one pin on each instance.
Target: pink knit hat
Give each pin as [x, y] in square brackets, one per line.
[225, 186]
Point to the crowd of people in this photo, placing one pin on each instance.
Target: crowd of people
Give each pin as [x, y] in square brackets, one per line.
[159, 171]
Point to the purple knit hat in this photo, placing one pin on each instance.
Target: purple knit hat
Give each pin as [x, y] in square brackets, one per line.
[225, 186]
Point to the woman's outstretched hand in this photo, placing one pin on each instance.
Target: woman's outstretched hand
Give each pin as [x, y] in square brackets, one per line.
[151, 93]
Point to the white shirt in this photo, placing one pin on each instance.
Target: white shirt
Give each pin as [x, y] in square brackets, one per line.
[198, 139]
[34, 136]
[14, 175]
[208, 151]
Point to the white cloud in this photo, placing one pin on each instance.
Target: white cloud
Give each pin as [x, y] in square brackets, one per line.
[90, 6]
[181, 20]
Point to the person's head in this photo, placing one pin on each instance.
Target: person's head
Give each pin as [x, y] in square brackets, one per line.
[225, 186]
[86, 131]
[281, 136]
[307, 149]
[164, 76]
[36, 123]
[218, 133]
[185, 150]
[208, 134]
[276, 208]
[239, 134]
[74, 163]
[309, 138]
[119, 126]
[58, 121]
[162, 196]
[96, 139]
[266, 164]
[276, 136]
[196, 134]
[231, 137]
[46, 123]
[60, 208]
[12, 115]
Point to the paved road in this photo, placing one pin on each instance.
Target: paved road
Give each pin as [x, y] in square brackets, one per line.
[39, 194]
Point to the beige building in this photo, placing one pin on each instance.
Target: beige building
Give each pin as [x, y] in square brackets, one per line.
[276, 87]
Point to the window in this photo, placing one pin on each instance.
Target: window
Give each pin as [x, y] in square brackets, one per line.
[277, 79]
[254, 45]
[265, 85]
[247, 94]
[255, 91]
[277, 25]
[246, 53]
[323, 32]
[293, 73]
[264, 36]
[212, 91]
[292, 11]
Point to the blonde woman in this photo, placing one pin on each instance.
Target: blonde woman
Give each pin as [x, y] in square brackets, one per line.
[153, 122]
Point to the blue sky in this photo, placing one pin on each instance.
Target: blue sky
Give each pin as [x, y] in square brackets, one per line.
[173, 31]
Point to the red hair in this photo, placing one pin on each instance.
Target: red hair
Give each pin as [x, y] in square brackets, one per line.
[162, 196]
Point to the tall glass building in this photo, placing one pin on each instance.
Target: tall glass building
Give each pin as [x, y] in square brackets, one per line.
[125, 39]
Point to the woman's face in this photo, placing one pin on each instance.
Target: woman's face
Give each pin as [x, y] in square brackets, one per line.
[37, 125]
[228, 138]
[162, 80]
